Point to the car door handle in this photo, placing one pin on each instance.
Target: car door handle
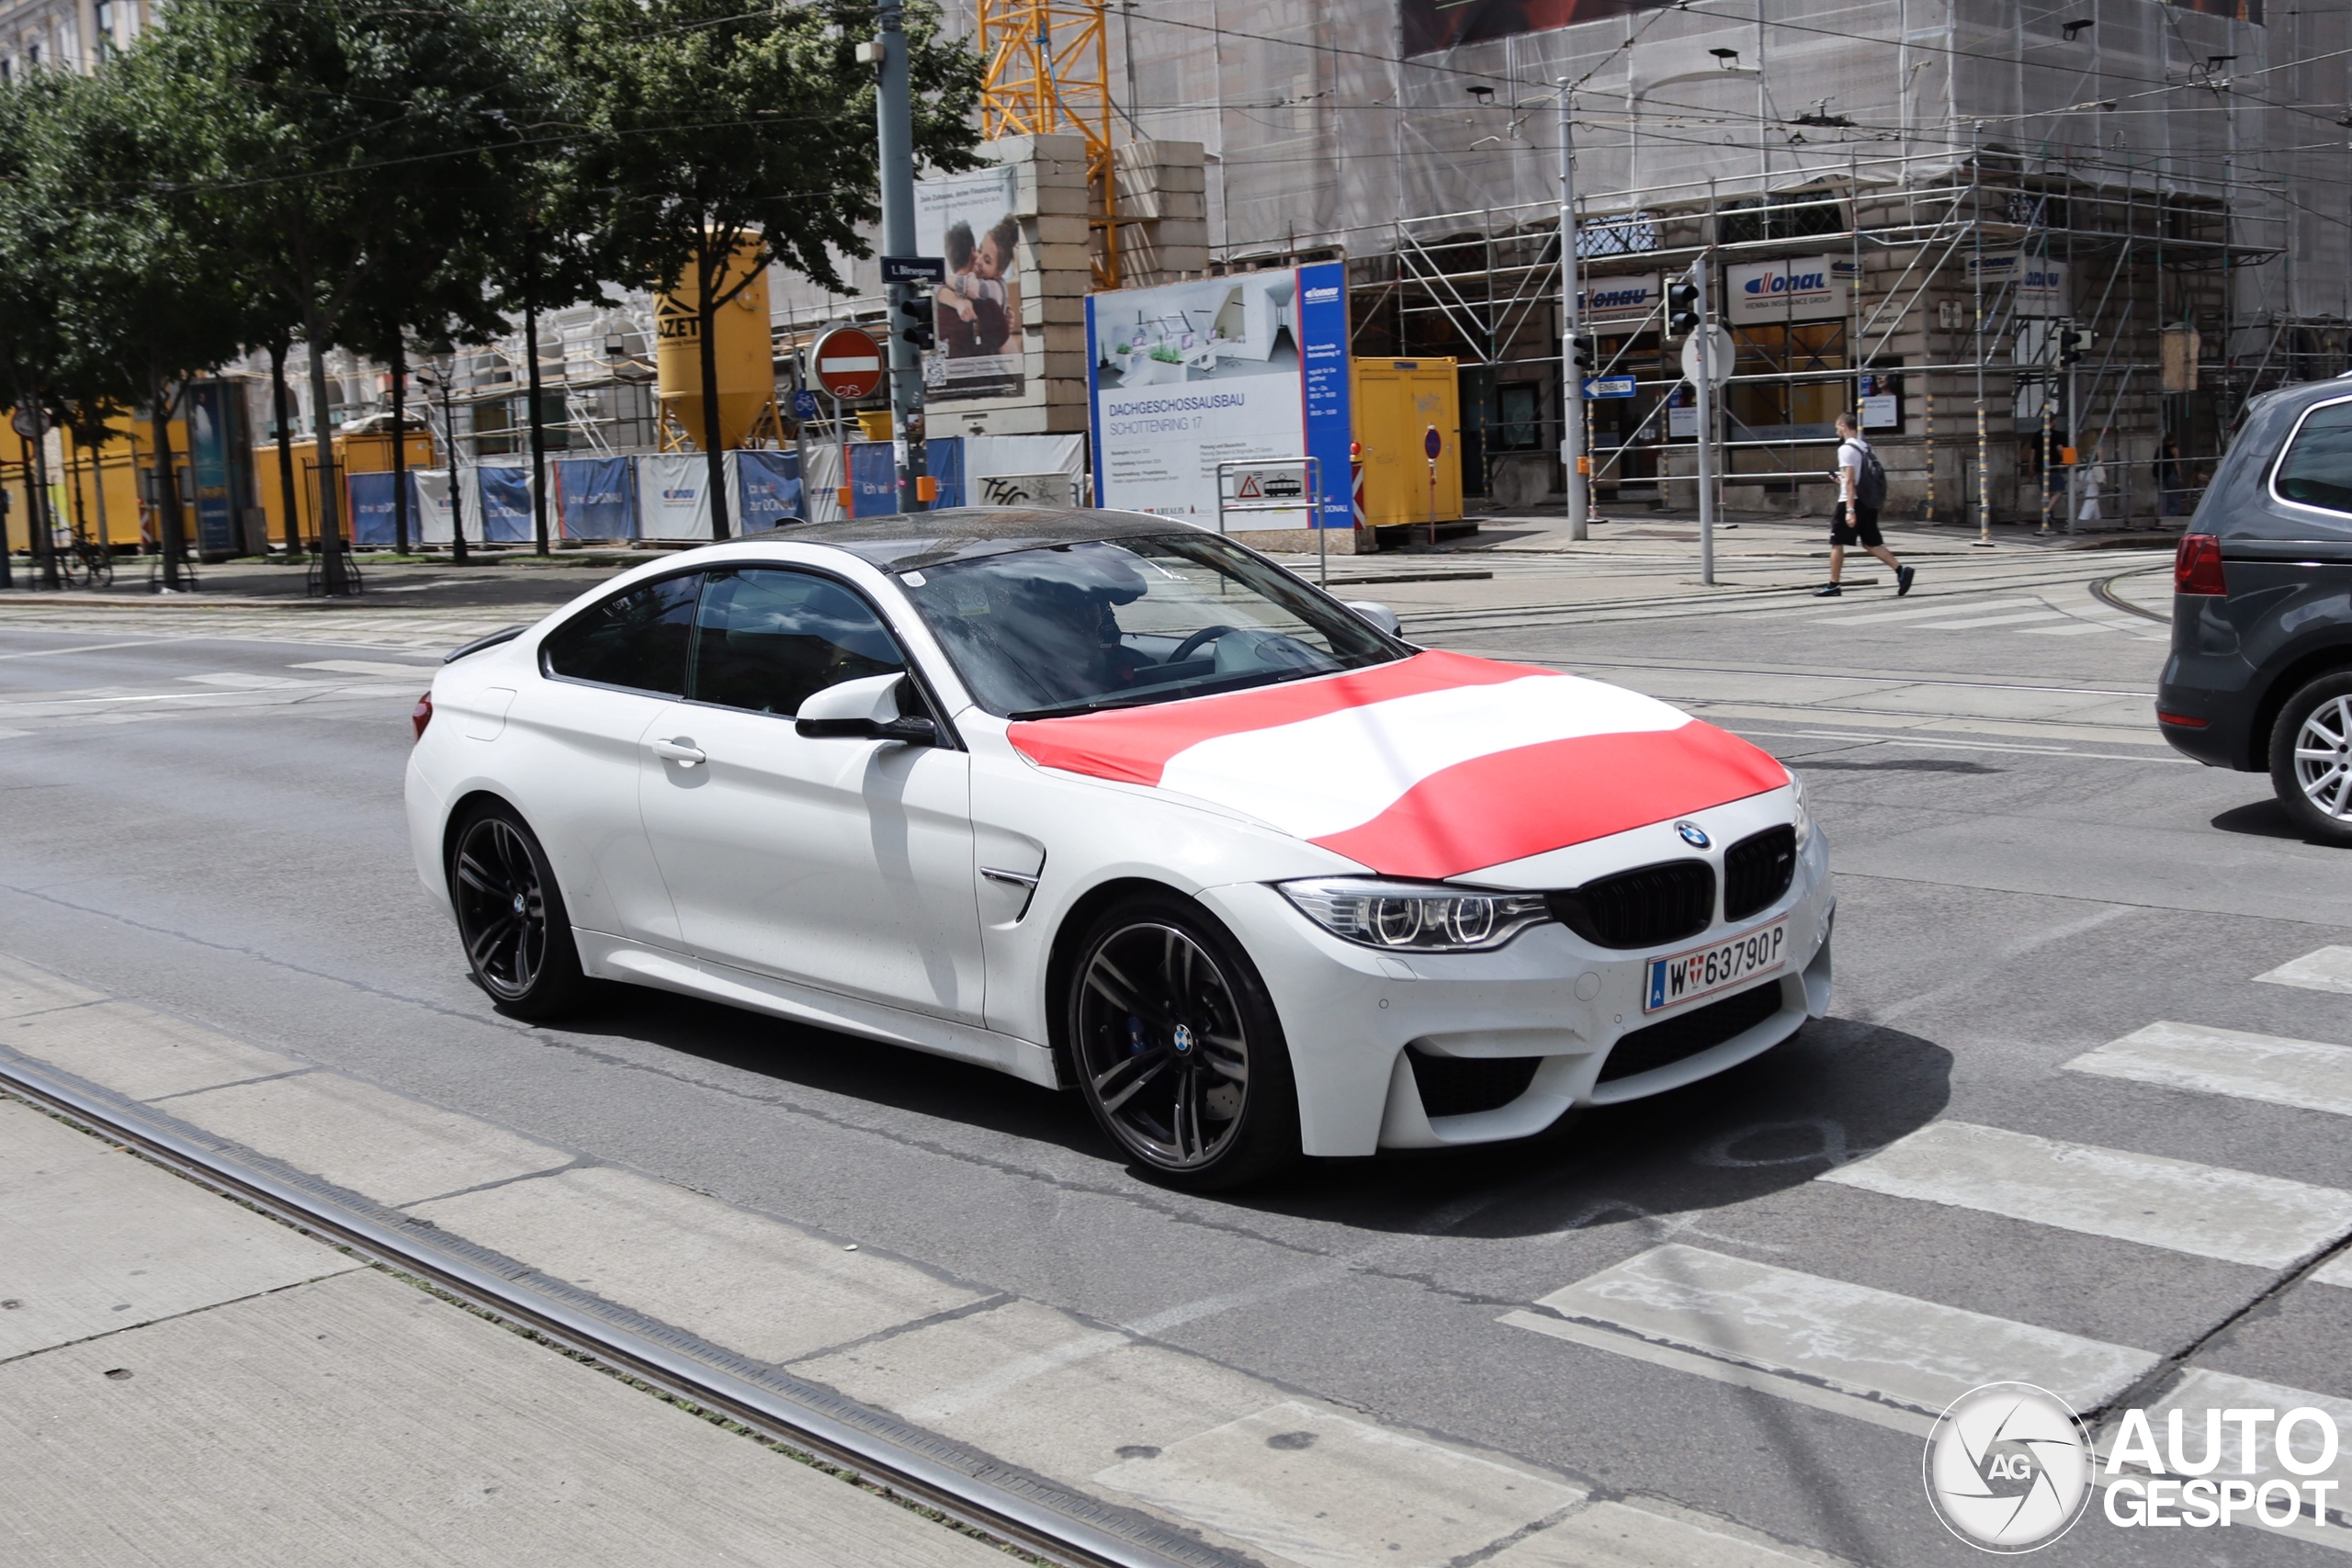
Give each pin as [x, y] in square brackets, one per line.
[679, 752]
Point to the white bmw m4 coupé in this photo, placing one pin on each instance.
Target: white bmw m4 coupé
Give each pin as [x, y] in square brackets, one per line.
[1105, 801]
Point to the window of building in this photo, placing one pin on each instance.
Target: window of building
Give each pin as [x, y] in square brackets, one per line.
[1792, 409]
[1522, 424]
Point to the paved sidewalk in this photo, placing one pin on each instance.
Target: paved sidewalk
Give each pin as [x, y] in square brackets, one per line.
[184, 1381]
[286, 1406]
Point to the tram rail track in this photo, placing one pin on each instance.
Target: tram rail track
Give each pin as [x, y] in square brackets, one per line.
[966, 1486]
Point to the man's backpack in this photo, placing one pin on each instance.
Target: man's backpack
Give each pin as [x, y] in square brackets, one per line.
[1870, 478]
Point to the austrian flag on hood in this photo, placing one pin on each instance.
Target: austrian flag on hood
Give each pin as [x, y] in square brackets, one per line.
[1429, 767]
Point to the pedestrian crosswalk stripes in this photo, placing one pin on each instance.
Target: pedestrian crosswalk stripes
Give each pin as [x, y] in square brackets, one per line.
[1865, 1344]
[1896, 1361]
[2235, 1216]
[2328, 969]
[2300, 1073]
[2015, 617]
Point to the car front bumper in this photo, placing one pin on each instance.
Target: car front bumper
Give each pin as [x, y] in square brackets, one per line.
[1350, 1013]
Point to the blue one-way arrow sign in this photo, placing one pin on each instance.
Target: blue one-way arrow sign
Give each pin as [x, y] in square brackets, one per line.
[1607, 386]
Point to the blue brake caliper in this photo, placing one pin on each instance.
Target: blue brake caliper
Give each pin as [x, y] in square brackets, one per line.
[1137, 1044]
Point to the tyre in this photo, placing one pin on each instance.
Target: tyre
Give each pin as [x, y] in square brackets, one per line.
[511, 916]
[1177, 1048]
[2310, 758]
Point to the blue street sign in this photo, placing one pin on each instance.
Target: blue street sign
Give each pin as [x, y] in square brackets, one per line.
[1607, 386]
[804, 404]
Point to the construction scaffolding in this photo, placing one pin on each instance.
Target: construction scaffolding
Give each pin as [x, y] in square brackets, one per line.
[1483, 286]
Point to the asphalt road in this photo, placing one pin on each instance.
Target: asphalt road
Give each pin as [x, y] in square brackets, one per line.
[212, 827]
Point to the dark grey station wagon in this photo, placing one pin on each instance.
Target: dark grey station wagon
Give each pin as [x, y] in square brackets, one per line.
[2260, 676]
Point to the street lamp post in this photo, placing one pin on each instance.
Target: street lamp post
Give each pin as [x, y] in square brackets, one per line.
[443, 374]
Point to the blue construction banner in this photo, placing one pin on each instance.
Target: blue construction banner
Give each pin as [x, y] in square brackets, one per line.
[873, 479]
[506, 505]
[1322, 319]
[371, 509]
[766, 489]
[595, 498]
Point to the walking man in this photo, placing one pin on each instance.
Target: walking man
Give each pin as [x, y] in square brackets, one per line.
[1861, 490]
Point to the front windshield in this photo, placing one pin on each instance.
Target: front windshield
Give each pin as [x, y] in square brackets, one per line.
[1115, 623]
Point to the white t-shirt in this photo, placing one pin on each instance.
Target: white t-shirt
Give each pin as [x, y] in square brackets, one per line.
[1849, 464]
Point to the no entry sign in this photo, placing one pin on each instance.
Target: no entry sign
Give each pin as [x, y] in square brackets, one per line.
[849, 363]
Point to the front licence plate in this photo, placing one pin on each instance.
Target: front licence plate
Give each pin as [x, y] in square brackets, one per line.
[1716, 967]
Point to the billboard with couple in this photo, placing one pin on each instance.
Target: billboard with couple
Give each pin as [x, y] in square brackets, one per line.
[967, 219]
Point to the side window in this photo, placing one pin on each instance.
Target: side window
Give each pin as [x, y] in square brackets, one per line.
[2317, 467]
[639, 639]
[765, 639]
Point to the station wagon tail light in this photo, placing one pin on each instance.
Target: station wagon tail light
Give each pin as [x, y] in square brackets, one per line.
[1415, 917]
[2197, 567]
[422, 714]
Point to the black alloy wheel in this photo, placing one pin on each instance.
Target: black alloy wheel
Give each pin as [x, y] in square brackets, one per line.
[511, 916]
[1177, 1048]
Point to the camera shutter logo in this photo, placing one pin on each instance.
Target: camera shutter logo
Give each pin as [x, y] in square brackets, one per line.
[2008, 1468]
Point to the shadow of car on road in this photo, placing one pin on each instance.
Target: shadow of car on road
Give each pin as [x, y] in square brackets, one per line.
[2265, 818]
[1835, 1091]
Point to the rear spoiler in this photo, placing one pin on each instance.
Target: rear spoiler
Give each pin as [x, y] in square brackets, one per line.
[507, 634]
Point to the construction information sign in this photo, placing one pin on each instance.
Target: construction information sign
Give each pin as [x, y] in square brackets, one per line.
[1187, 376]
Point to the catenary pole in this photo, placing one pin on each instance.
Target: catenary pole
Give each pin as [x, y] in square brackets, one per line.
[1699, 275]
[1572, 454]
[896, 144]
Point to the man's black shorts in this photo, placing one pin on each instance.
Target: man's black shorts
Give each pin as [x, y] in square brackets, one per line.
[1865, 529]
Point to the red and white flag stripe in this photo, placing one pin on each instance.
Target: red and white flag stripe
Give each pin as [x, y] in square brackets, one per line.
[1432, 766]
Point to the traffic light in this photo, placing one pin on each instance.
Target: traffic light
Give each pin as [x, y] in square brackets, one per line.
[1682, 307]
[1580, 352]
[910, 317]
[2074, 342]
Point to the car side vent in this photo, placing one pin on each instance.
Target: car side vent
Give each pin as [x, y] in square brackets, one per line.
[1463, 1086]
[1758, 870]
[1642, 907]
[1703, 1028]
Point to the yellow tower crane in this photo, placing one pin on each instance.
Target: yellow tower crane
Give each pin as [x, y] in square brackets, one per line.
[1048, 72]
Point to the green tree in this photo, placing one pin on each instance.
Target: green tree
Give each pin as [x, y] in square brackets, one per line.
[320, 140]
[138, 297]
[706, 126]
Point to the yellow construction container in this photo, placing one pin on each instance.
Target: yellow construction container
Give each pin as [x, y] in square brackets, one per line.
[746, 357]
[368, 453]
[1397, 403]
[873, 423]
[96, 490]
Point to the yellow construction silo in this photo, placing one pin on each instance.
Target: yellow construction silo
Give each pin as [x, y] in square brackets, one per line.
[746, 363]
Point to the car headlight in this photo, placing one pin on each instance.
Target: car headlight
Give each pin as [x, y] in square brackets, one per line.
[1803, 817]
[1416, 916]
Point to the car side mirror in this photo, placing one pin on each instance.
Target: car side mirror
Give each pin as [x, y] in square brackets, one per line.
[1379, 614]
[864, 709]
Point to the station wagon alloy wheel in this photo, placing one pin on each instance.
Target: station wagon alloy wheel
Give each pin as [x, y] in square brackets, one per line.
[2323, 758]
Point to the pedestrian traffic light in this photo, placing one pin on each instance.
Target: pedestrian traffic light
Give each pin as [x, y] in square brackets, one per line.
[1580, 352]
[910, 315]
[2074, 342]
[1682, 307]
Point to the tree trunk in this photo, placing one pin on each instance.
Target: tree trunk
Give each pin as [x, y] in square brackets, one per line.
[98, 489]
[334, 581]
[449, 461]
[167, 490]
[538, 430]
[44, 530]
[707, 354]
[399, 447]
[281, 401]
